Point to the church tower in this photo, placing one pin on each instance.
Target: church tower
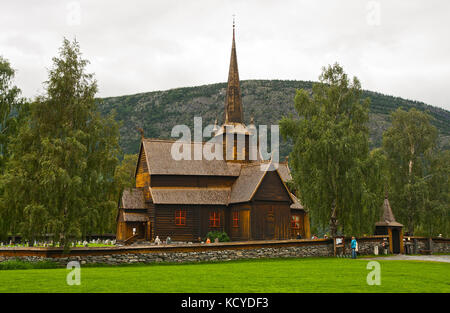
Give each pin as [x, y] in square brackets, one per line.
[237, 137]
[233, 102]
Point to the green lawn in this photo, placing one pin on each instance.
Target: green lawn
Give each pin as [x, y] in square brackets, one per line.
[278, 275]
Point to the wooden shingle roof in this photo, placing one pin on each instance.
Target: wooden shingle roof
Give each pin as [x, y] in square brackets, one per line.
[296, 205]
[135, 217]
[213, 196]
[247, 183]
[234, 111]
[132, 198]
[285, 174]
[250, 178]
[388, 218]
[161, 162]
[284, 171]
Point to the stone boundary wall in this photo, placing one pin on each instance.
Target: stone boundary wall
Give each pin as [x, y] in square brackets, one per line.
[438, 245]
[201, 252]
[366, 245]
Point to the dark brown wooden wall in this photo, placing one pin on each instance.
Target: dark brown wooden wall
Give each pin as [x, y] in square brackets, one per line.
[267, 216]
[272, 189]
[121, 231]
[125, 229]
[243, 232]
[197, 222]
[151, 213]
[270, 215]
[270, 220]
[191, 181]
[128, 230]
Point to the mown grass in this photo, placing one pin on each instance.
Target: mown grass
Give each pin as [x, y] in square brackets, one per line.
[276, 275]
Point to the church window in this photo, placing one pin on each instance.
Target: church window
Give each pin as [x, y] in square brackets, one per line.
[236, 219]
[295, 221]
[180, 217]
[214, 219]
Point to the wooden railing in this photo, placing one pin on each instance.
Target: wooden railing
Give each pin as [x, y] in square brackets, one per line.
[130, 240]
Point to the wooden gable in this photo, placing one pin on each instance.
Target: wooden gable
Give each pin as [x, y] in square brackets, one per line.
[272, 188]
[143, 174]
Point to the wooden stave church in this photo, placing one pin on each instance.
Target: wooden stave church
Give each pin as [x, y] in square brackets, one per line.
[185, 199]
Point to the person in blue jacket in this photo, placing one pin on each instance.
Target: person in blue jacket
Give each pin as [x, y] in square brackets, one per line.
[353, 246]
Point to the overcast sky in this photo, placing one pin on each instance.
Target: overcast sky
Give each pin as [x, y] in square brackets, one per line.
[400, 48]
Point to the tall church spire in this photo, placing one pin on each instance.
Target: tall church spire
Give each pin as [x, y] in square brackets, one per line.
[233, 103]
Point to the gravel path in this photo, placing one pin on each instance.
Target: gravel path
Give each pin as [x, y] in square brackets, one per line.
[435, 258]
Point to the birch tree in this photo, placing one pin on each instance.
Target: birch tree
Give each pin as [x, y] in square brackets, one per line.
[330, 138]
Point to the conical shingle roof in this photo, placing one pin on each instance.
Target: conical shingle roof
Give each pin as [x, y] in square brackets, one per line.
[233, 102]
[388, 218]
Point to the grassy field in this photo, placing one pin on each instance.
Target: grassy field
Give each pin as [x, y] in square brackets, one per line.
[280, 275]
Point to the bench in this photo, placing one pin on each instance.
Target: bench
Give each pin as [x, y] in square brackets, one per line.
[425, 251]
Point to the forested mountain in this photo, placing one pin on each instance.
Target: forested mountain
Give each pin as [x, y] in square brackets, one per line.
[266, 100]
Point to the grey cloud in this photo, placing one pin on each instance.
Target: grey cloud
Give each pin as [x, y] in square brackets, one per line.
[137, 46]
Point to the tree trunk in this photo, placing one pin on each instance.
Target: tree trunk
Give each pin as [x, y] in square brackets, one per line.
[410, 217]
[411, 226]
[412, 150]
[333, 220]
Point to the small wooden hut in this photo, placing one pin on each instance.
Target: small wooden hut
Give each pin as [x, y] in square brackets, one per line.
[389, 226]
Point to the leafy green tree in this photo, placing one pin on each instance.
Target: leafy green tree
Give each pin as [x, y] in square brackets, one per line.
[124, 174]
[62, 169]
[10, 105]
[367, 209]
[12, 108]
[330, 146]
[123, 178]
[436, 215]
[409, 144]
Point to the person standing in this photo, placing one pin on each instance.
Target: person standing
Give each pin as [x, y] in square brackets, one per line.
[353, 245]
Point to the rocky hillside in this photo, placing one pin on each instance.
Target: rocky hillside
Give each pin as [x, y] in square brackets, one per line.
[266, 100]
